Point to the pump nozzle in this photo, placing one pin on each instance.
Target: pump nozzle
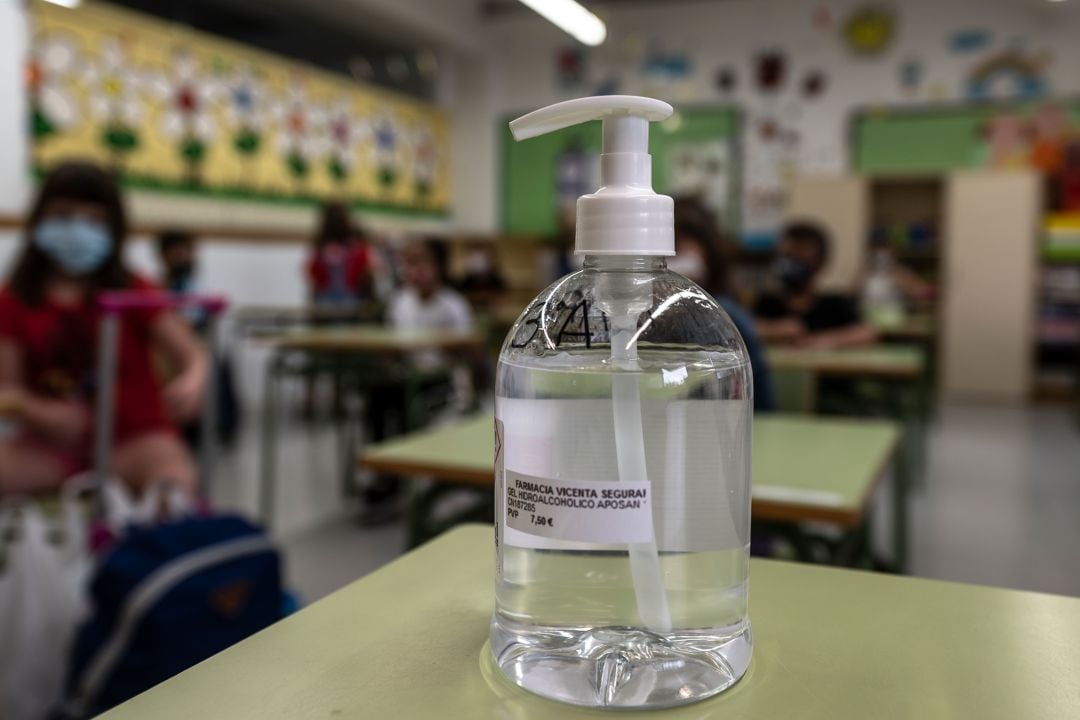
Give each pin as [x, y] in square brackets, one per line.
[624, 216]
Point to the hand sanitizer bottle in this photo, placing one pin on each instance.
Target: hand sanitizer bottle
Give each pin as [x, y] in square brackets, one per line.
[623, 422]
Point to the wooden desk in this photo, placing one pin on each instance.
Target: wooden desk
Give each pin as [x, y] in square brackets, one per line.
[804, 468]
[408, 642]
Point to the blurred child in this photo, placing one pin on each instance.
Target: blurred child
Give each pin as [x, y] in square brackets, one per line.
[698, 256]
[49, 325]
[339, 270]
[798, 313]
[425, 301]
[176, 251]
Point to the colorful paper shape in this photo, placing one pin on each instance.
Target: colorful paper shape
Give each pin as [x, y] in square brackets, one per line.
[726, 80]
[771, 71]
[814, 84]
[969, 40]
[1009, 74]
[570, 68]
[910, 73]
[869, 30]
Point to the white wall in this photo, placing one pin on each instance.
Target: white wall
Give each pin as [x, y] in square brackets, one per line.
[14, 162]
[733, 32]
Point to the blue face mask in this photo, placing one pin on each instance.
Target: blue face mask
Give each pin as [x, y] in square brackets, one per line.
[78, 246]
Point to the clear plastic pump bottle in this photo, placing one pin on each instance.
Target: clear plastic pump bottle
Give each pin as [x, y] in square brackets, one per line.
[623, 420]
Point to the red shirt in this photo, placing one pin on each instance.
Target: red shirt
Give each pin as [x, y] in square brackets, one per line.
[58, 344]
[337, 264]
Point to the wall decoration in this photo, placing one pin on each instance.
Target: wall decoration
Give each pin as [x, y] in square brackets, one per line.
[822, 18]
[814, 84]
[726, 80]
[937, 91]
[608, 86]
[1006, 137]
[1009, 74]
[770, 71]
[910, 74]
[52, 107]
[570, 68]
[701, 168]
[969, 40]
[1050, 129]
[174, 109]
[768, 130]
[666, 66]
[869, 30]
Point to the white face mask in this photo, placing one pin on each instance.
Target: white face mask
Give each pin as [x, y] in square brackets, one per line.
[478, 262]
[689, 266]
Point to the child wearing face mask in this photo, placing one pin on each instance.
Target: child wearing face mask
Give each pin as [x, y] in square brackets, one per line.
[798, 314]
[49, 329]
[698, 257]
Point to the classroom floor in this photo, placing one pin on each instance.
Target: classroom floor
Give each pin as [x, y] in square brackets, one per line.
[998, 505]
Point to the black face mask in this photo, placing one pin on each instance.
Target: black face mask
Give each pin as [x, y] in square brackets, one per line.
[794, 275]
[180, 276]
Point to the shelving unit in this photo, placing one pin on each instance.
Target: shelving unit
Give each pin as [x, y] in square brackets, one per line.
[1057, 332]
[907, 212]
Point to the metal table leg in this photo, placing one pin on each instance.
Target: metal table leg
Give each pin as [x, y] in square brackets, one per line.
[901, 484]
[268, 455]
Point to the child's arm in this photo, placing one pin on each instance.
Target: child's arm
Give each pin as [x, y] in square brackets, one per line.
[63, 421]
[780, 330]
[849, 336]
[184, 393]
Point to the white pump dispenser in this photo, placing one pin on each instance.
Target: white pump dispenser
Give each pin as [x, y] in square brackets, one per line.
[624, 216]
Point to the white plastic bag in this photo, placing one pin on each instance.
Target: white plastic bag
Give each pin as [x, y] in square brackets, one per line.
[42, 599]
[121, 509]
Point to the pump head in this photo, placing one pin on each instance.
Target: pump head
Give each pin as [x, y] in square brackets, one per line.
[624, 216]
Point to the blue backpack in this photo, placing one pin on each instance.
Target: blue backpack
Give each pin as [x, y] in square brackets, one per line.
[167, 597]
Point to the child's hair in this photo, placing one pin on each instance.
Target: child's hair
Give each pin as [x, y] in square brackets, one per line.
[77, 181]
[440, 255]
[809, 234]
[694, 220]
[173, 237]
[336, 225]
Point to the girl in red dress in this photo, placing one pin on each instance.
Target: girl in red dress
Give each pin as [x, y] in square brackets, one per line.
[49, 327]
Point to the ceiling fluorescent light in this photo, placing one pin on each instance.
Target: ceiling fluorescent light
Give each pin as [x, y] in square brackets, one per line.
[572, 18]
[66, 3]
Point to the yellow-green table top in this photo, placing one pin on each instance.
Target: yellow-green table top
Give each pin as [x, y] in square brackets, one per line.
[408, 642]
[884, 361]
[804, 468]
[370, 338]
[912, 327]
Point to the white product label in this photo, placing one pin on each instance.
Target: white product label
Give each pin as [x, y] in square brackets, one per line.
[499, 435]
[579, 510]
